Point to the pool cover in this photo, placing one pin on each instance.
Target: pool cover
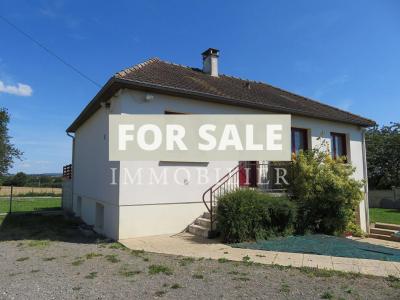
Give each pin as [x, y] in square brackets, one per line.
[325, 245]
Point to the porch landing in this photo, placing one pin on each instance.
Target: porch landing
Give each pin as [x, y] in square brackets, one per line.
[186, 244]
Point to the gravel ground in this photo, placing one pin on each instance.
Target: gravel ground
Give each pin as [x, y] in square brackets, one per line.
[50, 258]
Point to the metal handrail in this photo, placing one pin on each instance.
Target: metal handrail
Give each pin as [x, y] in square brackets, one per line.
[220, 187]
[212, 192]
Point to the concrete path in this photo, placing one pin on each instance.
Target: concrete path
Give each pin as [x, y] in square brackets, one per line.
[186, 244]
[390, 244]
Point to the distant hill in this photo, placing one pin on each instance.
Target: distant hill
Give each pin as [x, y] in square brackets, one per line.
[47, 174]
[42, 174]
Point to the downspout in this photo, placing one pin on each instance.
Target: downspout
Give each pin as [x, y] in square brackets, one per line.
[73, 168]
[365, 171]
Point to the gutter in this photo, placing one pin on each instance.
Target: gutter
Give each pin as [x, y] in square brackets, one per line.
[73, 168]
[365, 171]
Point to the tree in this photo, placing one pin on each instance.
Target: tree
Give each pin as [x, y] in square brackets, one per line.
[8, 152]
[19, 179]
[383, 156]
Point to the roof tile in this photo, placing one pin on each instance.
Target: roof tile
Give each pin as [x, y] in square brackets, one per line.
[193, 80]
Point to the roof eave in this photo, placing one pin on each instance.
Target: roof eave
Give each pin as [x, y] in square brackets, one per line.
[223, 100]
[93, 105]
[116, 83]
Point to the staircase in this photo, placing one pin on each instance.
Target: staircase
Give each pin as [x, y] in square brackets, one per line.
[384, 231]
[202, 226]
[205, 225]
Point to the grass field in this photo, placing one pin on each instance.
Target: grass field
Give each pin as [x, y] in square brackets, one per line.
[384, 215]
[29, 204]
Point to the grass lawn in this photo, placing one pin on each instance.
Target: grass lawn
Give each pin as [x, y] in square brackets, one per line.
[29, 204]
[384, 215]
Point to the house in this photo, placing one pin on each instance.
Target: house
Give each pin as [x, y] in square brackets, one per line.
[102, 192]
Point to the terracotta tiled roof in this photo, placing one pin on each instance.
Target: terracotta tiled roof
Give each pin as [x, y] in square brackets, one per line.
[169, 78]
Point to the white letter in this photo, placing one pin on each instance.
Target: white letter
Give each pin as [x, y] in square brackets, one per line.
[230, 137]
[163, 176]
[157, 137]
[174, 135]
[113, 170]
[208, 137]
[272, 137]
[278, 177]
[202, 174]
[186, 180]
[250, 139]
[132, 180]
[123, 137]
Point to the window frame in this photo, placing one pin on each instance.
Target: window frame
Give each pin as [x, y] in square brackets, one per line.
[170, 112]
[343, 137]
[304, 133]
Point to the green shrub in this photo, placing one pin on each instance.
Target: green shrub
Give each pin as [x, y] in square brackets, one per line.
[248, 215]
[327, 196]
[281, 214]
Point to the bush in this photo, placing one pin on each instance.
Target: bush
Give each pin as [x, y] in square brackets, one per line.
[326, 194]
[248, 215]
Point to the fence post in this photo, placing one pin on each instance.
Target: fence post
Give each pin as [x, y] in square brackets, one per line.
[11, 196]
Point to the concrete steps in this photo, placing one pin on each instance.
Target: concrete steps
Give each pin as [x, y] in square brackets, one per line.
[380, 236]
[198, 230]
[388, 226]
[206, 215]
[201, 226]
[384, 231]
[203, 222]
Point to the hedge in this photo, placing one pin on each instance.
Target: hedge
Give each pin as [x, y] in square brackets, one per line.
[247, 214]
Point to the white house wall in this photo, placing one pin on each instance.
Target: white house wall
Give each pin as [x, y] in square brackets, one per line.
[151, 209]
[91, 172]
[320, 132]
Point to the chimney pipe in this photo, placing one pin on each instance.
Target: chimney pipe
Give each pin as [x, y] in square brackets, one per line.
[210, 61]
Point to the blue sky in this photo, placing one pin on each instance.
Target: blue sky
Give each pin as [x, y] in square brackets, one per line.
[344, 53]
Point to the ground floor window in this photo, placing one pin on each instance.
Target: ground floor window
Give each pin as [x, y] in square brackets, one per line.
[339, 148]
[299, 140]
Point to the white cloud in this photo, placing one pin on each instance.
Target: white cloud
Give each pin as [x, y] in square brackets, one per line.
[19, 90]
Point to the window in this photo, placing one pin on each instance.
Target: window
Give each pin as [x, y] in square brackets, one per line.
[78, 211]
[339, 148]
[99, 220]
[169, 112]
[299, 140]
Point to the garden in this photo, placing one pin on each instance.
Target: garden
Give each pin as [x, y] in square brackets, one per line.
[317, 213]
[323, 199]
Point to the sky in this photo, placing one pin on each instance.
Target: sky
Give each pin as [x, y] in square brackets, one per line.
[343, 53]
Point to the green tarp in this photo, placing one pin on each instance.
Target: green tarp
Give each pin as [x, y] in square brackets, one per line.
[325, 245]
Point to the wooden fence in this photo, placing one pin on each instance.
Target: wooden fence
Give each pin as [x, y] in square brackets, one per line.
[17, 190]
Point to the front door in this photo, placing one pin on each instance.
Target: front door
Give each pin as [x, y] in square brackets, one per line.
[248, 173]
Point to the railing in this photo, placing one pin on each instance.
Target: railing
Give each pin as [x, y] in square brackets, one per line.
[67, 171]
[267, 177]
[229, 182]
